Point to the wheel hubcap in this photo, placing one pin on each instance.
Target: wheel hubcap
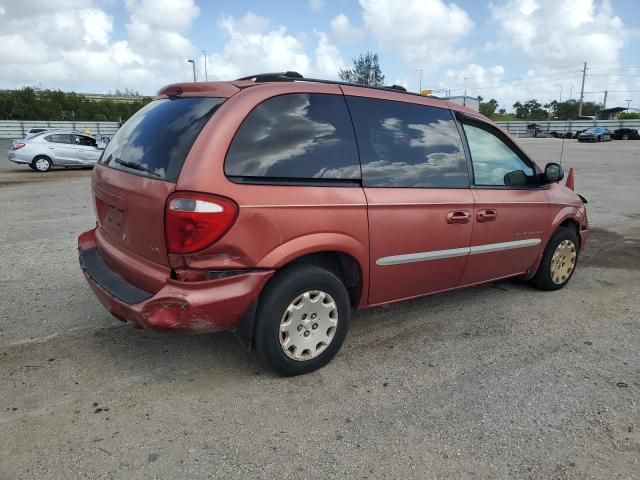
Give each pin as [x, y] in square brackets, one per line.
[563, 261]
[308, 325]
[42, 164]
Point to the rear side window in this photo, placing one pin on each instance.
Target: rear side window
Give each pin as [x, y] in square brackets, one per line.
[408, 145]
[156, 140]
[58, 138]
[296, 137]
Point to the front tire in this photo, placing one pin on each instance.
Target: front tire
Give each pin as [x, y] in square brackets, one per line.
[41, 164]
[558, 262]
[302, 319]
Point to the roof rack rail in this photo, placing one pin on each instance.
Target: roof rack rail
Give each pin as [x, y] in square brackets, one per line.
[291, 76]
[287, 76]
[400, 88]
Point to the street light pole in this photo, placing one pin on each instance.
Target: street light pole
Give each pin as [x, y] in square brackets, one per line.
[420, 81]
[206, 76]
[559, 85]
[628, 102]
[464, 99]
[193, 64]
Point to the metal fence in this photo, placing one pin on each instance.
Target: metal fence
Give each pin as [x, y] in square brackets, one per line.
[519, 129]
[15, 129]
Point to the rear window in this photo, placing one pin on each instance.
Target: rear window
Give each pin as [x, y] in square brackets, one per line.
[295, 137]
[156, 140]
[58, 138]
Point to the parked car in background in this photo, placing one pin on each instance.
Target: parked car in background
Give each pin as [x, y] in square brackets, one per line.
[34, 131]
[595, 134]
[59, 148]
[271, 207]
[626, 134]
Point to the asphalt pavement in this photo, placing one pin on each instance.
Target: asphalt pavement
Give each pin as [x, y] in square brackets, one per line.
[495, 381]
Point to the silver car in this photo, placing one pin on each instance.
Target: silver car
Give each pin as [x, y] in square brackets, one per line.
[56, 148]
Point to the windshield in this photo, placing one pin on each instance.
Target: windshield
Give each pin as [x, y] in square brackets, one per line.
[593, 130]
[156, 140]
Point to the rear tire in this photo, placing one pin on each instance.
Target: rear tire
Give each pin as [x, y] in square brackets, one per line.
[559, 261]
[41, 164]
[625, 137]
[302, 319]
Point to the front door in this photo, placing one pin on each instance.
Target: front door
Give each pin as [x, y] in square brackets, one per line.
[416, 183]
[87, 151]
[511, 208]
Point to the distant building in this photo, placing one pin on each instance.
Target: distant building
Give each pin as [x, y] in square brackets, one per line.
[469, 102]
[609, 113]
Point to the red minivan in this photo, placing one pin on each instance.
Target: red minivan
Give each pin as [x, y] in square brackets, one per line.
[272, 205]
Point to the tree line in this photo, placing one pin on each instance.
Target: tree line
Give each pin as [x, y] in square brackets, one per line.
[50, 105]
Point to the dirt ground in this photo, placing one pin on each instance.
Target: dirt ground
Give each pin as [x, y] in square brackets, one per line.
[496, 381]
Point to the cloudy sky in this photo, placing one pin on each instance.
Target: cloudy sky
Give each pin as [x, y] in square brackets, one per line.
[508, 49]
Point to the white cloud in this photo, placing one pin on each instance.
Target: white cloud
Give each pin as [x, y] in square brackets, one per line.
[328, 60]
[425, 32]
[68, 44]
[164, 14]
[250, 51]
[555, 33]
[343, 31]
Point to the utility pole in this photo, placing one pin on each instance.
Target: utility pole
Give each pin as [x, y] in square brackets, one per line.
[206, 77]
[571, 92]
[584, 74]
[419, 81]
[193, 64]
[604, 103]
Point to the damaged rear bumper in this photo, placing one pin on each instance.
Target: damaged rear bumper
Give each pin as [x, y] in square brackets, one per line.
[189, 307]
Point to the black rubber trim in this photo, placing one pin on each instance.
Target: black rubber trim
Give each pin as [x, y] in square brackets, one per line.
[92, 263]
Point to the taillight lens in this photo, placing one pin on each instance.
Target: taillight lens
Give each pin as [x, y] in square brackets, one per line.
[16, 146]
[194, 221]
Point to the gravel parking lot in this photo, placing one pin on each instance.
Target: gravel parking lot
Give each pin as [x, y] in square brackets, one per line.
[496, 381]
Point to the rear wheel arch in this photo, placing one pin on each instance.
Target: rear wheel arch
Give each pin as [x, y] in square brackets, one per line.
[42, 156]
[34, 163]
[343, 265]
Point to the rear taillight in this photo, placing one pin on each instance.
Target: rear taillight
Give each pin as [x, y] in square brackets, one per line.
[16, 146]
[194, 221]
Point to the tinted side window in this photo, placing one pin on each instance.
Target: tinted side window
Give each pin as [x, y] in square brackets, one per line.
[495, 163]
[296, 136]
[407, 145]
[58, 138]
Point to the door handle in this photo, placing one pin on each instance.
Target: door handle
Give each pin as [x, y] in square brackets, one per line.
[458, 216]
[488, 215]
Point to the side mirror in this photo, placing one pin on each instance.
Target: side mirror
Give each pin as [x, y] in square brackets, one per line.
[517, 178]
[553, 173]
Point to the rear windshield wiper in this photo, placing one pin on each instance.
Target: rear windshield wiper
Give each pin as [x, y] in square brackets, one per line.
[135, 166]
